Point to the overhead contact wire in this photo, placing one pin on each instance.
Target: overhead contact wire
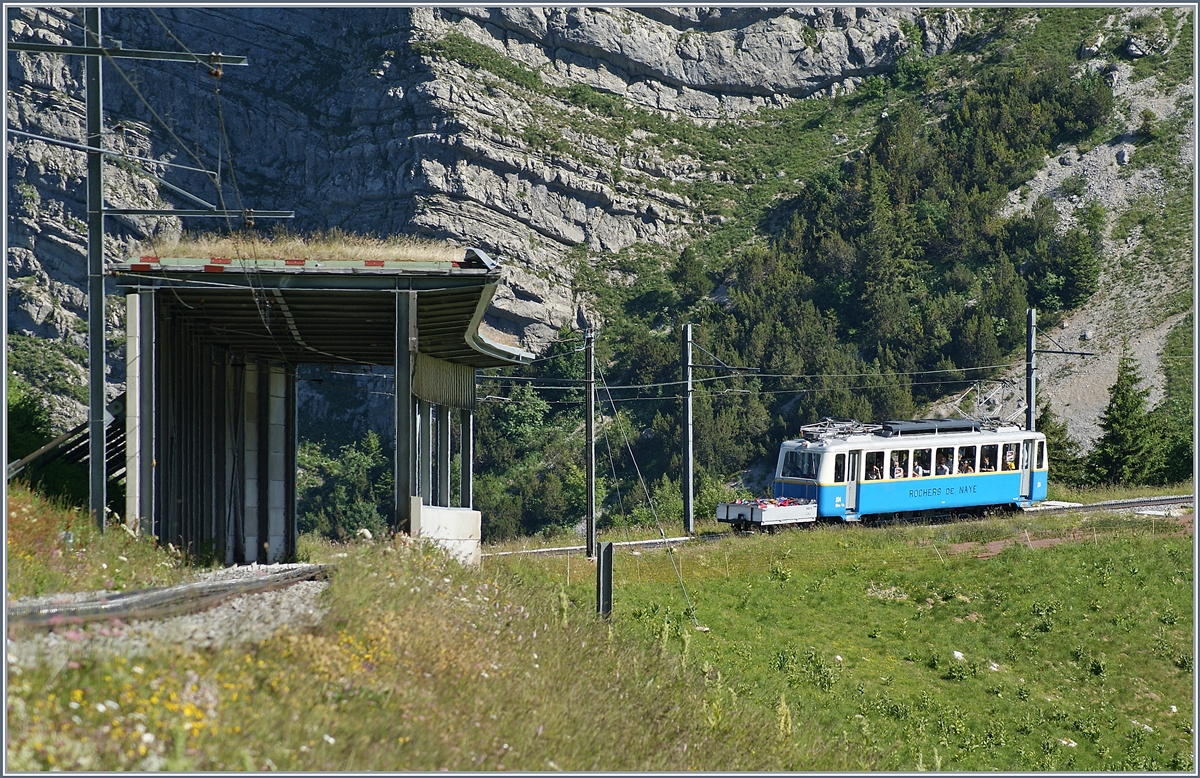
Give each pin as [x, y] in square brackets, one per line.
[650, 502]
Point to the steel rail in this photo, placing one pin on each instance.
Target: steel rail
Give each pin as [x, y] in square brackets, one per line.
[1114, 505]
[159, 602]
[652, 543]
[1140, 502]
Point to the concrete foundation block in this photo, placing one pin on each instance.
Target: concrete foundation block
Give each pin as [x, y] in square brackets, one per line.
[458, 530]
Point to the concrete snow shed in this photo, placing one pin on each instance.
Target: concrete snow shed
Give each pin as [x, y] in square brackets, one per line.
[212, 344]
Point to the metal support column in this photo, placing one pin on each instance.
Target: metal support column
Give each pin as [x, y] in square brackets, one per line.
[97, 479]
[443, 455]
[589, 351]
[425, 451]
[466, 481]
[220, 478]
[405, 460]
[1030, 367]
[688, 445]
[206, 445]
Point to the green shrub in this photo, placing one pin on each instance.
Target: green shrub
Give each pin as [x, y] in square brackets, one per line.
[338, 495]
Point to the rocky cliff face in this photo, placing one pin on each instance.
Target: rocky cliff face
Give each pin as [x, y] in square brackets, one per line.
[341, 118]
[501, 128]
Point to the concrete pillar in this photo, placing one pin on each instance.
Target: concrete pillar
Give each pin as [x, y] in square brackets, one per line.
[443, 455]
[250, 445]
[466, 436]
[404, 467]
[147, 421]
[289, 468]
[276, 464]
[133, 408]
[235, 463]
[263, 481]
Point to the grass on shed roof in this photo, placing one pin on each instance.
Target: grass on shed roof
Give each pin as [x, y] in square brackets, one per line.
[332, 245]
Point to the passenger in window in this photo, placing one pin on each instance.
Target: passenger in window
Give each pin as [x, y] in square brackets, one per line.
[986, 465]
[1010, 460]
[874, 473]
[918, 471]
[964, 466]
[943, 468]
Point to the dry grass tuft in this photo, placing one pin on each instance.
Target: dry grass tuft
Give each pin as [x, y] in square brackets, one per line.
[331, 245]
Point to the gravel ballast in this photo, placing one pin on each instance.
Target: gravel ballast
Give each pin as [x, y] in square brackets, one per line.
[238, 619]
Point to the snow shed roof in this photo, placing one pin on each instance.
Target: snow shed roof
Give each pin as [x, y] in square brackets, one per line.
[309, 309]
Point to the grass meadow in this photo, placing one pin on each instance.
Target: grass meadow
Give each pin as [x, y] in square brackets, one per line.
[911, 652]
[828, 648]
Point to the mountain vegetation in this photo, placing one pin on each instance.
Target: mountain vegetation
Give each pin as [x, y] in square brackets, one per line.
[885, 283]
[866, 237]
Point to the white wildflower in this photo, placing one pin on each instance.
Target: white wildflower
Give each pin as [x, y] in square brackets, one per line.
[329, 739]
[837, 657]
[959, 655]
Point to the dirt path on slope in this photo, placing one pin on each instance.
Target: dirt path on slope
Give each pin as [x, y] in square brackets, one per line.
[992, 548]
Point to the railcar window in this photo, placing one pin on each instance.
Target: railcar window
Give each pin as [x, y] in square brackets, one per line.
[945, 461]
[1010, 457]
[987, 459]
[874, 466]
[898, 465]
[966, 459]
[800, 464]
[1041, 457]
[921, 462]
[839, 468]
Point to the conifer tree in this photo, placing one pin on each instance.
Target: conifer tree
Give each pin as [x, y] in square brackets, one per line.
[1067, 464]
[1126, 453]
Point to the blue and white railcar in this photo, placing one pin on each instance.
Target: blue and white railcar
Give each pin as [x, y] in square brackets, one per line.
[928, 466]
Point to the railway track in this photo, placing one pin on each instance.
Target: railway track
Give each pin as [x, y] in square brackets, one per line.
[1107, 505]
[199, 596]
[1118, 505]
[159, 603]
